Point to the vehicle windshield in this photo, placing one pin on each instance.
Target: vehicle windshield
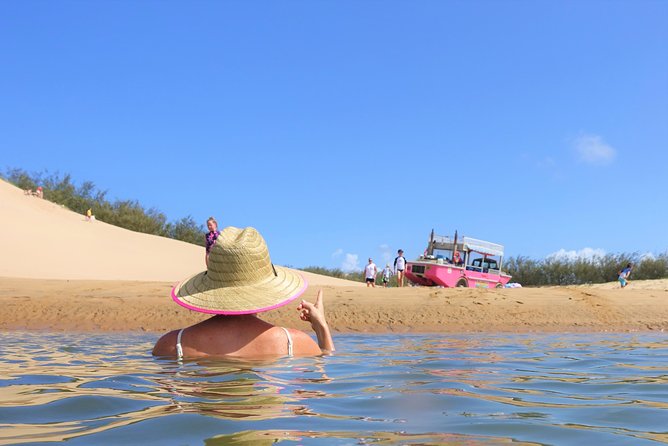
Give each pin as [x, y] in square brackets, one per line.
[485, 263]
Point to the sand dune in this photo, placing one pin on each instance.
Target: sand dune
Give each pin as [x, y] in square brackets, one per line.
[59, 272]
[42, 240]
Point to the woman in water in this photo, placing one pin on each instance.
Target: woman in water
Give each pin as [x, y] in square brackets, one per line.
[240, 282]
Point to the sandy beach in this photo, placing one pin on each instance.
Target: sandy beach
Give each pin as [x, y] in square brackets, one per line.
[59, 272]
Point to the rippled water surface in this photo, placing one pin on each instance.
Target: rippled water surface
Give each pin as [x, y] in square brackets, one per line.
[391, 389]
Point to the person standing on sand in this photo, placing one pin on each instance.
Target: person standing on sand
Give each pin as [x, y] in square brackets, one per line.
[240, 283]
[211, 237]
[399, 266]
[370, 272]
[387, 274]
[624, 275]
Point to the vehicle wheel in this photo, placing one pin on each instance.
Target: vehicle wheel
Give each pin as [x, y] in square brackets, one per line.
[499, 285]
[462, 283]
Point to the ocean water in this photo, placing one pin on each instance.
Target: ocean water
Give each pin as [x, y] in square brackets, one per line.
[106, 389]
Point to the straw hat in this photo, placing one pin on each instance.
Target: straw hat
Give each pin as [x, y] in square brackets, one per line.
[240, 278]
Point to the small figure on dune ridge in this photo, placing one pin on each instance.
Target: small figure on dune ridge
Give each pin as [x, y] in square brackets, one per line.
[39, 192]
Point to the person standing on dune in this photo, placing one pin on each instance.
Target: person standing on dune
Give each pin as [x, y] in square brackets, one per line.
[211, 237]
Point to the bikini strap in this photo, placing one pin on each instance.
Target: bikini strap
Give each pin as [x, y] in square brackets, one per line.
[287, 333]
[179, 349]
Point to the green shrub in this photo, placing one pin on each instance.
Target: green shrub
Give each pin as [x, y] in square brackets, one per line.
[356, 276]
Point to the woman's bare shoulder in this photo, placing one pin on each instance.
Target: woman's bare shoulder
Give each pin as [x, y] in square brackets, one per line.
[166, 345]
[303, 344]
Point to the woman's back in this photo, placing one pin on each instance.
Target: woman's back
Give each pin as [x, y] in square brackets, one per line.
[239, 336]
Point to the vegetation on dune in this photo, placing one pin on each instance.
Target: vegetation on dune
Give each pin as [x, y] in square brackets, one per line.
[355, 276]
[332, 272]
[132, 215]
[126, 214]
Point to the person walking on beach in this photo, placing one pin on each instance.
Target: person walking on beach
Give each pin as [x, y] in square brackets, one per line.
[624, 275]
[211, 237]
[370, 272]
[399, 266]
[241, 282]
[387, 274]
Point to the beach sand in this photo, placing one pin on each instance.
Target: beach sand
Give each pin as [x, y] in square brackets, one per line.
[59, 272]
[146, 306]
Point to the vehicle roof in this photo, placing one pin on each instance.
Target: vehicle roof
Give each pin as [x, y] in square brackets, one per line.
[469, 244]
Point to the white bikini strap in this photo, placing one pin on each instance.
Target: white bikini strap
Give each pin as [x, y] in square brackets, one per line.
[179, 349]
[287, 333]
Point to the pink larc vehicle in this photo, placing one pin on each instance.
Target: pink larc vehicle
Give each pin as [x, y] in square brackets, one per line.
[465, 263]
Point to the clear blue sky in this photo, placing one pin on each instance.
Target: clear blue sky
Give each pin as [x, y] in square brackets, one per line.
[352, 128]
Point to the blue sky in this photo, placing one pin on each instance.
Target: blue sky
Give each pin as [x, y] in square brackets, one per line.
[349, 129]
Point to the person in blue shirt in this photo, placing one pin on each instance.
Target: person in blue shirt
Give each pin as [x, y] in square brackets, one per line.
[624, 275]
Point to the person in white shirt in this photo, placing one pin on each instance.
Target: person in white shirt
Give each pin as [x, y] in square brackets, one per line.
[387, 274]
[370, 272]
[399, 267]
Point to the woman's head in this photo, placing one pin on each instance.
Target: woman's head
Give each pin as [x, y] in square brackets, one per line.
[240, 278]
[212, 224]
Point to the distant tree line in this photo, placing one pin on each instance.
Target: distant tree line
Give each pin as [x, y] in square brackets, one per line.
[355, 276]
[599, 269]
[128, 214]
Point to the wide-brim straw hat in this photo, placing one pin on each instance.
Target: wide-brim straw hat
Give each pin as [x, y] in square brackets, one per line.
[240, 278]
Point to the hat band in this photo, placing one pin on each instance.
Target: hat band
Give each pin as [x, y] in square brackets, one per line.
[239, 312]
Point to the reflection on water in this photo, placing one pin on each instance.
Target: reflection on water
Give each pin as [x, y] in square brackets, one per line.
[412, 389]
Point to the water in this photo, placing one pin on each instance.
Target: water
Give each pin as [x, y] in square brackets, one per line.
[102, 389]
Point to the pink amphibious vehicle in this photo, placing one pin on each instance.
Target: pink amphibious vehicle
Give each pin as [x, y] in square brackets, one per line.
[471, 263]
